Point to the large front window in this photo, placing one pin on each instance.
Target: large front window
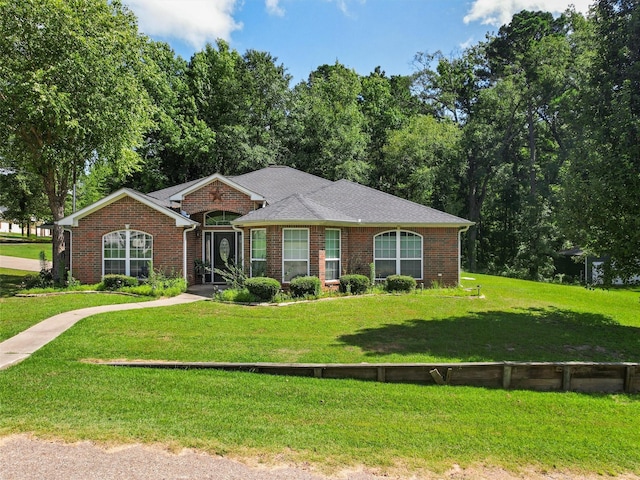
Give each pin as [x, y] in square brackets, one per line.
[398, 253]
[332, 254]
[127, 252]
[295, 253]
[258, 252]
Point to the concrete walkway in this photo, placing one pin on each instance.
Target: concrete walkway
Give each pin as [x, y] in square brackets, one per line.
[21, 346]
[16, 263]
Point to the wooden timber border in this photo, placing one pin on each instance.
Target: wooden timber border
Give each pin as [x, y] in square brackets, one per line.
[539, 376]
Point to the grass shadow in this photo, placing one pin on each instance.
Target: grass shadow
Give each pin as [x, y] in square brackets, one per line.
[524, 335]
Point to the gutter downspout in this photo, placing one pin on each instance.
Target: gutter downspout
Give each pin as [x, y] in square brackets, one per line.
[460, 232]
[184, 251]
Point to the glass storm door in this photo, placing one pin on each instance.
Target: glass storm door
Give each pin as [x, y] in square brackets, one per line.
[219, 250]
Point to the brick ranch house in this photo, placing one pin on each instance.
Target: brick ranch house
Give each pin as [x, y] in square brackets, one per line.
[277, 222]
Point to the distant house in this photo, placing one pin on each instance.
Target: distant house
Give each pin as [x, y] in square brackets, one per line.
[587, 269]
[35, 226]
[277, 222]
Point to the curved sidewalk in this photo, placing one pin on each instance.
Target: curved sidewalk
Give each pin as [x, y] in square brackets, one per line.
[17, 348]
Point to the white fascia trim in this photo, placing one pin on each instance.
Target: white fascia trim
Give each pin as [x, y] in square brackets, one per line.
[329, 223]
[72, 220]
[178, 197]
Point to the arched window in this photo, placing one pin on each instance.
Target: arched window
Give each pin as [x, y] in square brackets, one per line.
[220, 217]
[398, 253]
[127, 252]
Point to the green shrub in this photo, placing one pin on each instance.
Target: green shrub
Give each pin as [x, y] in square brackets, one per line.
[400, 283]
[264, 288]
[305, 287]
[117, 281]
[355, 284]
[235, 295]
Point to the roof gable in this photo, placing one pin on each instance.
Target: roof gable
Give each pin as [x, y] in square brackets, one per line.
[203, 182]
[72, 220]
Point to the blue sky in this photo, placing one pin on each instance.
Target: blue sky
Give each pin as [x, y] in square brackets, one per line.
[361, 34]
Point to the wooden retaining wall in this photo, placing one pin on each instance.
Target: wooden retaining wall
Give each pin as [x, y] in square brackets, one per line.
[539, 376]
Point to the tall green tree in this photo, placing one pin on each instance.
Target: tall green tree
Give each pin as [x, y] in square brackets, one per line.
[428, 152]
[602, 181]
[22, 196]
[71, 92]
[242, 99]
[327, 128]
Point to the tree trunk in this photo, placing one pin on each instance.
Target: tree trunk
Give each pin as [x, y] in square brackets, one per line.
[532, 151]
[58, 247]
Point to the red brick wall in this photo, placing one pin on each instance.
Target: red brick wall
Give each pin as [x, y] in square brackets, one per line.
[218, 196]
[440, 251]
[87, 238]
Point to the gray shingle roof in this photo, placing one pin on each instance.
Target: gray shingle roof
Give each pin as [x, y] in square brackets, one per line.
[297, 209]
[276, 183]
[294, 196]
[347, 202]
[162, 196]
[373, 206]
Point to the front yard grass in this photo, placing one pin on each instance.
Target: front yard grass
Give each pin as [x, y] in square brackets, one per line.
[26, 250]
[337, 423]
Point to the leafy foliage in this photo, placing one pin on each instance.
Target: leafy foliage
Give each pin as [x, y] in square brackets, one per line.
[355, 284]
[400, 283]
[264, 288]
[305, 287]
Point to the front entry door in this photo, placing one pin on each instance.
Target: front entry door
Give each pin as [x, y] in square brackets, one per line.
[219, 250]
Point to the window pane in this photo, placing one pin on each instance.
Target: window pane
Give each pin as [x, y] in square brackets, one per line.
[295, 244]
[410, 245]
[220, 218]
[294, 269]
[139, 268]
[258, 244]
[385, 245]
[114, 266]
[140, 245]
[411, 268]
[115, 245]
[258, 268]
[384, 268]
[332, 244]
[332, 270]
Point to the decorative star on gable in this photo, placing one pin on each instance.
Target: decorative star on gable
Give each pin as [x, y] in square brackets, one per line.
[216, 194]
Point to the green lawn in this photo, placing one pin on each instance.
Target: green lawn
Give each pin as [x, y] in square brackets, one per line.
[26, 250]
[334, 423]
[19, 313]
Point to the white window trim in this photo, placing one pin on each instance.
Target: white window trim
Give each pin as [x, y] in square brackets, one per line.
[398, 258]
[296, 259]
[127, 259]
[251, 249]
[332, 259]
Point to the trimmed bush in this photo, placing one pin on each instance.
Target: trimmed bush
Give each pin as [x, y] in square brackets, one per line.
[305, 286]
[400, 283]
[117, 281]
[355, 284]
[264, 288]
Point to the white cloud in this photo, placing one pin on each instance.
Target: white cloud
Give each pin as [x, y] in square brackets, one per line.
[195, 21]
[500, 12]
[273, 8]
[343, 5]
